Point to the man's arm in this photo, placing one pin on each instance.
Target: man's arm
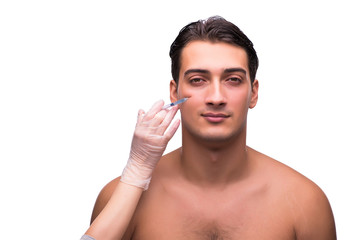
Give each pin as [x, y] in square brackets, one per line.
[315, 220]
[111, 216]
[113, 211]
[104, 197]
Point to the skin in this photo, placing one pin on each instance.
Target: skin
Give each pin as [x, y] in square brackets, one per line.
[214, 186]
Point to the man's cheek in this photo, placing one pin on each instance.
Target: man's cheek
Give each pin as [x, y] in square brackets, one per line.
[185, 92]
[191, 105]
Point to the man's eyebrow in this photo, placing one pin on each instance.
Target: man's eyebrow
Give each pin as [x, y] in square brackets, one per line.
[231, 70]
[227, 70]
[196, 70]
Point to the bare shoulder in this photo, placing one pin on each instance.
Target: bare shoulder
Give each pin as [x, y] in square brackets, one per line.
[280, 173]
[309, 206]
[103, 197]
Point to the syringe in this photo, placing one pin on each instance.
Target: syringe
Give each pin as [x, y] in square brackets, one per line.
[174, 103]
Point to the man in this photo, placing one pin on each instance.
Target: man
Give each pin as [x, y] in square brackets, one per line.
[214, 186]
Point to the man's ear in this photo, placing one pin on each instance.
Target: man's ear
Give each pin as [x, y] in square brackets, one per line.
[173, 91]
[254, 94]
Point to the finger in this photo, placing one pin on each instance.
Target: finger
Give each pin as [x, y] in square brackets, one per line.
[158, 119]
[167, 120]
[172, 130]
[154, 110]
[141, 114]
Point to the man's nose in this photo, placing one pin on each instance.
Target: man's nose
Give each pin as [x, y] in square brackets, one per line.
[215, 95]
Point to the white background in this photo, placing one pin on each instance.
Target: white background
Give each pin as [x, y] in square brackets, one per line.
[74, 74]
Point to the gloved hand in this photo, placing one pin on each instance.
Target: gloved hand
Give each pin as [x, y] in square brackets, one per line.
[148, 145]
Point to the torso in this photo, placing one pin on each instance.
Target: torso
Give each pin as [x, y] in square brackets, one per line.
[261, 207]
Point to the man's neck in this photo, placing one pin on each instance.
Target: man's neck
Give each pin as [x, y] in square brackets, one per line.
[214, 164]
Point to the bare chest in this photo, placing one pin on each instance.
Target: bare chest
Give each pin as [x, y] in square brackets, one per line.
[212, 216]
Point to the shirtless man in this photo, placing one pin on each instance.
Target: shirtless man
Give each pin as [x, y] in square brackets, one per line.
[214, 187]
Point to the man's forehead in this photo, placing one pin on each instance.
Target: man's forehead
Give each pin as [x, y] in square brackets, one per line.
[195, 44]
[210, 56]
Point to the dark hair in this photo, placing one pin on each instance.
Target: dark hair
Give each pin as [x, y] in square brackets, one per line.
[214, 29]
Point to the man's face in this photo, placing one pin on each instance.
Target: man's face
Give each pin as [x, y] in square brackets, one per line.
[216, 78]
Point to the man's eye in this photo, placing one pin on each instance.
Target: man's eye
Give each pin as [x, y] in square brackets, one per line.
[196, 80]
[234, 80]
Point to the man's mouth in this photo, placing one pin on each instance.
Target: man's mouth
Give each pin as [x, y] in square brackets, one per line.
[215, 117]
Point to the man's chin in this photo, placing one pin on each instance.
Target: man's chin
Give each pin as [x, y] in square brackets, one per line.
[215, 139]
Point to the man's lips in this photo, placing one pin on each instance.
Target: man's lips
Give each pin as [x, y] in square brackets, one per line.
[215, 117]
